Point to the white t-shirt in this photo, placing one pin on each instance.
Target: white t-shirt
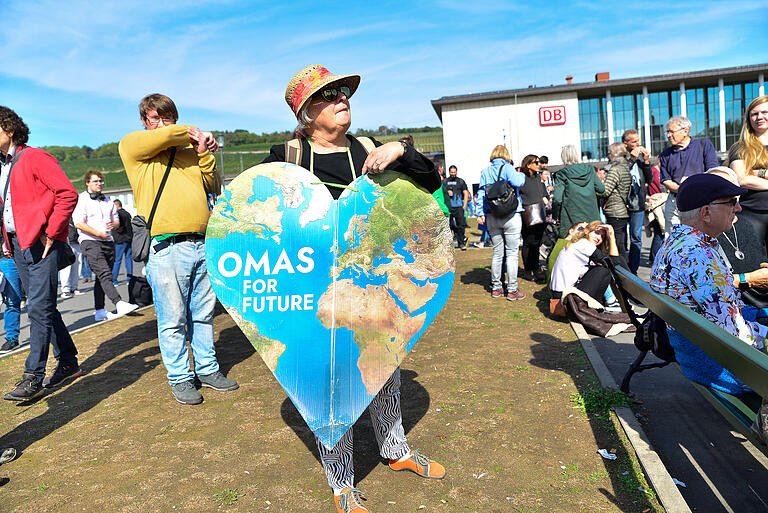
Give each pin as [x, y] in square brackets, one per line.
[571, 264]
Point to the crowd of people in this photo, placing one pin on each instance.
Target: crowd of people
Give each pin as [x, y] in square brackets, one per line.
[572, 219]
[172, 171]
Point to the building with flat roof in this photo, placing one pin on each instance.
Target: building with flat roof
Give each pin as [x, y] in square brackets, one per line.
[592, 115]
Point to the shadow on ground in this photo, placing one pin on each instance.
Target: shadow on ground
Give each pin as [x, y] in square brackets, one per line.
[414, 404]
[625, 477]
[88, 391]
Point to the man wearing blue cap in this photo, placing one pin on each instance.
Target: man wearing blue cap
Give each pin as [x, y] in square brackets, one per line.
[691, 268]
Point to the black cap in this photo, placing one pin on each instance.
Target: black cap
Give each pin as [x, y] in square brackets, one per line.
[699, 190]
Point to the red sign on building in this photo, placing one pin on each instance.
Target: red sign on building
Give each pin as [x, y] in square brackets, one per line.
[553, 115]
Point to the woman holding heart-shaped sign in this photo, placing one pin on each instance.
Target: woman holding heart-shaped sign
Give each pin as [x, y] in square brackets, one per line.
[320, 101]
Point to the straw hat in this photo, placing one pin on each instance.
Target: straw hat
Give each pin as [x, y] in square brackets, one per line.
[312, 79]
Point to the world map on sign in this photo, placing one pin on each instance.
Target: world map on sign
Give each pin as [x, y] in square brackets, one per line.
[332, 294]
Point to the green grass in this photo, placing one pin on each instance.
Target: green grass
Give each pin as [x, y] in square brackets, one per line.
[426, 141]
[226, 497]
[599, 401]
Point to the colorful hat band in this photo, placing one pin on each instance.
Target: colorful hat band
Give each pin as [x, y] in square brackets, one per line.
[306, 85]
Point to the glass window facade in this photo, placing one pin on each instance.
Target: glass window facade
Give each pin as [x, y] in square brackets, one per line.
[625, 115]
[734, 109]
[594, 129]
[751, 91]
[702, 108]
[659, 106]
[696, 106]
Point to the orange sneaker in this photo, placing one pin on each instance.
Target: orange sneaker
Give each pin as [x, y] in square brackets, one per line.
[349, 501]
[419, 464]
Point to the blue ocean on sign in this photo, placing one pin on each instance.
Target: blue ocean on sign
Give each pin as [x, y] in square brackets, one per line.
[332, 294]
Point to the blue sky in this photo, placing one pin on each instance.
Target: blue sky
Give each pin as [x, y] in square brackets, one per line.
[76, 70]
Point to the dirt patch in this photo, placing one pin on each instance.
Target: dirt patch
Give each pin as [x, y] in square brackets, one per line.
[491, 391]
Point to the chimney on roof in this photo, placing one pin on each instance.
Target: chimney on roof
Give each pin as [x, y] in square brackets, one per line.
[569, 79]
[602, 77]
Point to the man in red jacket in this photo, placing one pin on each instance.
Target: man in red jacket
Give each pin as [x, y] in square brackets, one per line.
[37, 203]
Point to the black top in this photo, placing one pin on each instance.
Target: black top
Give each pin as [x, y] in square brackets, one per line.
[125, 232]
[752, 200]
[754, 255]
[532, 190]
[334, 167]
[457, 186]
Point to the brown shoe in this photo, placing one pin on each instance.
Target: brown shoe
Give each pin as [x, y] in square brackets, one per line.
[419, 464]
[348, 501]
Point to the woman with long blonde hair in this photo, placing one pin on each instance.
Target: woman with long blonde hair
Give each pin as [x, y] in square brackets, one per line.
[749, 159]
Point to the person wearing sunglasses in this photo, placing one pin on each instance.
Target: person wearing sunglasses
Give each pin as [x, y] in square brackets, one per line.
[320, 102]
[691, 268]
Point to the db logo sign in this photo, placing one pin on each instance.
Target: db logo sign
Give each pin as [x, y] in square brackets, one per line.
[554, 115]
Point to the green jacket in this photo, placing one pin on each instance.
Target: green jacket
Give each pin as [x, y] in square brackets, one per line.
[575, 196]
[617, 183]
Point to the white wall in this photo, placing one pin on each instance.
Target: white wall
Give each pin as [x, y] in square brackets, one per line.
[472, 129]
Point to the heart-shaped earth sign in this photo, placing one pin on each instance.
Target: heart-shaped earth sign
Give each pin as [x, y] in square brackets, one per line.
[332, 294]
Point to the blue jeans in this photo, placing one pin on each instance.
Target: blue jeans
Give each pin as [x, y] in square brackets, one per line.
[122, 249]
[184, 302]
[12, 293]
[635, 239]
[505, 236]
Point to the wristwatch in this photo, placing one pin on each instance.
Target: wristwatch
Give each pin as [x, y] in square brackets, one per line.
[762, 173]
[743, 283]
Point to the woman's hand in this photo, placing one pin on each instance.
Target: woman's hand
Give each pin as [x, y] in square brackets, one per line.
[381, 157]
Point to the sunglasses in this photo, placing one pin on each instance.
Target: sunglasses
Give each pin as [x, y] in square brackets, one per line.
[331, 94]
[732, 202]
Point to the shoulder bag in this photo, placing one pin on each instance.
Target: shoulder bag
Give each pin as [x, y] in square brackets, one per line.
[142, 230]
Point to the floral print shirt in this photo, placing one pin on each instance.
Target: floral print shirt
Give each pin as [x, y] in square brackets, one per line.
[691, 269]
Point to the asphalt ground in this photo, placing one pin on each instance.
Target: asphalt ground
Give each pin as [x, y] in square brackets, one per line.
[76, 311]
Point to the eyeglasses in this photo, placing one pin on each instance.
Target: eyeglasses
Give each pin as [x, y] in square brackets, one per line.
[156, 119]
[535, 162]
[331, 94]
[732, 202]
[673, 131]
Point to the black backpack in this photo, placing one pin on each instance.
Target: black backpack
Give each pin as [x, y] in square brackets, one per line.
[651, 335]
[501, 196]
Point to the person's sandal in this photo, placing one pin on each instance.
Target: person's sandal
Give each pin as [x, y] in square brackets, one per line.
[419, 464]
[348, 501]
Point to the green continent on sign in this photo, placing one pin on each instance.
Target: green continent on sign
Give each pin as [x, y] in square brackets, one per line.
[402, 212]
[373, 315]
[269, 350]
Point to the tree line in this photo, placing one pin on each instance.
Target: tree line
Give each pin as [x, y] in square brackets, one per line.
[231, 138]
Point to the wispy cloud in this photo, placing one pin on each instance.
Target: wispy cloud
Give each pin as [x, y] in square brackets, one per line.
[227, 63]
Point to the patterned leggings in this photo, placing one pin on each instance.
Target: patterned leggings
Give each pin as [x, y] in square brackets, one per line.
[387, 421]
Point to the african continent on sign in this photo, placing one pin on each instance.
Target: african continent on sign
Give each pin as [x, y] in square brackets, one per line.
[332, 294]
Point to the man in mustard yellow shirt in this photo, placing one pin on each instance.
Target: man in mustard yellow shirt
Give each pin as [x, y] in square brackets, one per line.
[176, 271]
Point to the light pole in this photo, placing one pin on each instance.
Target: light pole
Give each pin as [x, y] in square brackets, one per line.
[221, 152]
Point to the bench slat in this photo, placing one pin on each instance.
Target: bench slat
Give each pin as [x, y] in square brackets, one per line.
[745, 362]
[735, 411]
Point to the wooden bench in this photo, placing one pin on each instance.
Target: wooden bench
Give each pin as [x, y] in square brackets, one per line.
[747, 364]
